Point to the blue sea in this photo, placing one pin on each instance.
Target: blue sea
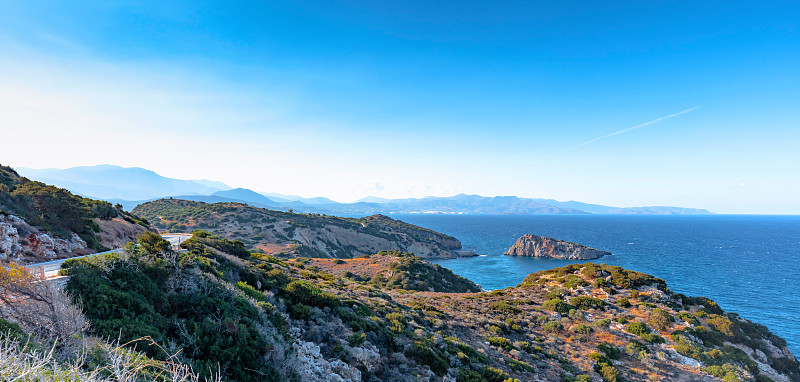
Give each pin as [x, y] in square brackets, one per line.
[748, 264]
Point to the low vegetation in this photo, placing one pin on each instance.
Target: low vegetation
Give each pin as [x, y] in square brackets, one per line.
[255, 317]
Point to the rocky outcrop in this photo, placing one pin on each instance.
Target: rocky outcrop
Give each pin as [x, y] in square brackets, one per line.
[543, 246]
[22, 243]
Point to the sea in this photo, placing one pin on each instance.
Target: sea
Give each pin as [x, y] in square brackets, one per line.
[748, 264]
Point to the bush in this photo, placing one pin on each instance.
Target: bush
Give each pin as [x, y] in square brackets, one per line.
[609, 373]
[609, 350]
[518, 365]
[721, 324]
[624, 303]
[553, 326]
[500, 342]
[586, 302]
[502, 306]
[602, 323]
[660, 319]
[637, 328]
[303, 292]
[356, 339]
[652, 338]
[582, 329]
[557, 306]
[426, 355]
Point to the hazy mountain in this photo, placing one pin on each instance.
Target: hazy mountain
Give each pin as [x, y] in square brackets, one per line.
[132, 186]
[246, 195]
[213, 184]
[294, 198]
[115, 182]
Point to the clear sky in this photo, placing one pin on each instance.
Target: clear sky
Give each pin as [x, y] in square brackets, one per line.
[346, 99]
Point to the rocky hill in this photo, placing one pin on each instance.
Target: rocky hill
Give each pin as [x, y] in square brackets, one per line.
[542, 246]
[40, 222]
[289, 234]
[395, 270]
[259, 318]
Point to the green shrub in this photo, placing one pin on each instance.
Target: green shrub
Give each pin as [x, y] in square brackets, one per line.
[557, 306]
[426, 355]
[582, 329]
[553, 326]
[609, 350]
[500, 342]
[602, 323]
[624, 303]
[637, 328]
[356, 339]
[502, 306]
[688, 318]
[727, 372]
[721, 324]
[304, 292]
[660, 319]
[600, 358]
[586, 302]
[518, 365]
[652, 338]
[609, 373]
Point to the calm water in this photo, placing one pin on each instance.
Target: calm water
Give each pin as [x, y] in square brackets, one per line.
[748, 264]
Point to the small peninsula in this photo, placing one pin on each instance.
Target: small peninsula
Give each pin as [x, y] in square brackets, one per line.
[543, 246]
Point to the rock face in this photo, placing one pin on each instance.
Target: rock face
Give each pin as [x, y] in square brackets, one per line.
[542, 246]
[22, 243]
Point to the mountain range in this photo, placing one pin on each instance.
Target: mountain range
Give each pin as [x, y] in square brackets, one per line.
[131, 186]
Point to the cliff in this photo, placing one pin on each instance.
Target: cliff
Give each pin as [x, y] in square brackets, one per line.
[542, 246]
[288, 234]
[261, 318]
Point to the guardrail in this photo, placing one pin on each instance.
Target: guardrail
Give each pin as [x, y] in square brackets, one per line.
[49, 269]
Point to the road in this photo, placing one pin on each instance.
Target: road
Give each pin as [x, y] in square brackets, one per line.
[49, 269]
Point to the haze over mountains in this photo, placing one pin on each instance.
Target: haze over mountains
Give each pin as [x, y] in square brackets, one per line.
[130, 186]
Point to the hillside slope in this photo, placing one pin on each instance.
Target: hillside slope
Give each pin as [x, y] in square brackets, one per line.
[264, 319]
[40, 222]
[289, 234]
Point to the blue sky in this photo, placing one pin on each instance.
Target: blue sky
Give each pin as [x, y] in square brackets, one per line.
[349, 99]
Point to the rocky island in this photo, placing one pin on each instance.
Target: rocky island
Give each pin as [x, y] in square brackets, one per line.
[543, 246]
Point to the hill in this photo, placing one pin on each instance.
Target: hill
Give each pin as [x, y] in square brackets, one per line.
[261, 318]
[40, 222]
[291, 234]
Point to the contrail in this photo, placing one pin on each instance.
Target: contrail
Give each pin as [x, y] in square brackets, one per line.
[631, 128]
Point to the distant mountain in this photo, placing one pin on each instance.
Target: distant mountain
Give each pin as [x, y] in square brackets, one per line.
[132, 186]
[246, 195]
[115, 182]
[212, 184]
[294, 198]
[648, 210]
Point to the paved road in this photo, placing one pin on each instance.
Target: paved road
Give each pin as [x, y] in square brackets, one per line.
[176, 238]
[50, 269]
